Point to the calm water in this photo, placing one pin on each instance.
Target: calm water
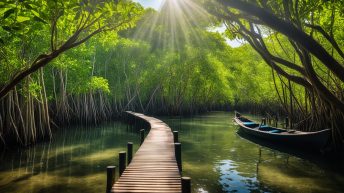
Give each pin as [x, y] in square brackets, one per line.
[219, 160]
[75, 161]
[214, 155]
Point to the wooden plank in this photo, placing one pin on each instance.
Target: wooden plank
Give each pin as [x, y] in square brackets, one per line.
[154, 167]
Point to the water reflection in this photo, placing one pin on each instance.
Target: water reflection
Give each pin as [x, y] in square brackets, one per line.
[74, 161]
[234, 181]
[219, 160]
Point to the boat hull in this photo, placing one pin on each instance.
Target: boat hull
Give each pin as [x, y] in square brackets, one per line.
[305, 140]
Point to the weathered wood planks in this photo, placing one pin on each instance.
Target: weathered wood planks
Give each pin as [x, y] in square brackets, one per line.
[154, 167]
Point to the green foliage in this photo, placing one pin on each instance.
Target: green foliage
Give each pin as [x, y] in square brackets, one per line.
[185, 66]
[32, 28]
[98, 84]
[34, 89]
[140, 66]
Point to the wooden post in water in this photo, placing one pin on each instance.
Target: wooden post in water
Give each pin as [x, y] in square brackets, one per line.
[122, 162]
[142, 134]
[286, 122]
[186, 185]
[178, 154]
[130, 151]
[175, 136]
[110, 177]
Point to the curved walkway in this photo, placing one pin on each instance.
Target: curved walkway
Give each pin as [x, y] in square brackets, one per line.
[154, 167]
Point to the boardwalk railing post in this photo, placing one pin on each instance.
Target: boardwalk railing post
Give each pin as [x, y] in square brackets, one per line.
[110, 179]
[142, 134]
[130, 151]
[186, 185]
[122, 162]
[175, 136]
[178, 154]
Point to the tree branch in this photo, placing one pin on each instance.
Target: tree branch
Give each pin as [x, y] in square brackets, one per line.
[290, 31]
[328, 38]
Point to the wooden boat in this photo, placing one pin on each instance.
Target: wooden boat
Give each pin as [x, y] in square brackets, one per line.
[307, 140]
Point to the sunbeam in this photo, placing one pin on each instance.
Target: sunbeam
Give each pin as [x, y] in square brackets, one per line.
[176, 24]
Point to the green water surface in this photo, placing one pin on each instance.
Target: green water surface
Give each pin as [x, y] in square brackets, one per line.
[219, 160]
[214, 156]
[74, 161]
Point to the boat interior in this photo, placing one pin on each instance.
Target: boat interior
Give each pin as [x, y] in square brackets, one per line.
[261, 127]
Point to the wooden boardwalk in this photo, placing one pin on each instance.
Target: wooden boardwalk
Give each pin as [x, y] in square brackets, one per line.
[154, 167]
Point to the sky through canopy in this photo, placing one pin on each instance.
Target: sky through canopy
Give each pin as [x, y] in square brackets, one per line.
[150, 3]
[156, 4]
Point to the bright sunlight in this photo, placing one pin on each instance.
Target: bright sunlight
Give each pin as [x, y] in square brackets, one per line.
[179, 20]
